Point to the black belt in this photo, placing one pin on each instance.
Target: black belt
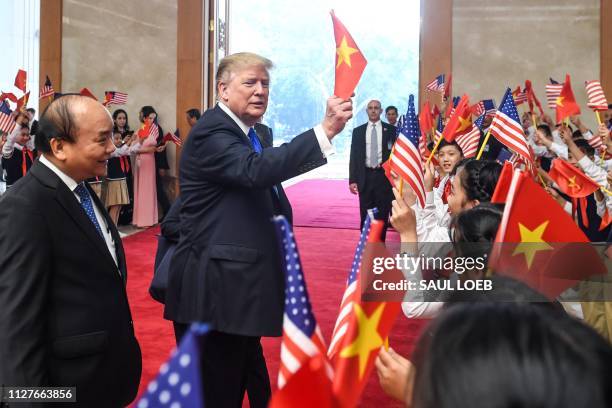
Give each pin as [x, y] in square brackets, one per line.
[374, 168]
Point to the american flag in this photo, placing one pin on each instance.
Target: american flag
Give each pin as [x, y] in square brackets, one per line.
[302, 336]
[479, 120]
[174, 138]
[154, 130]
[351, 294]
[456, 100]
[114, 98]
[437, 85]
[399, 124]
[468, 142]
[47, 89]
[504, 155]
[178, 383]
[519, 96]
[439, 130]
[595, 94]
[553, 90]
[406, 160]
[595, 142]
[7, 122]
[486, 106]
[506, 127]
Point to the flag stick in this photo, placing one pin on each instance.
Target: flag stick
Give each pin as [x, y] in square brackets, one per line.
[598, 117]
[605, 190]
[434, 149]
[401, 189]
[484, 144]
[387, 343]
[533, 119]
[542, 180]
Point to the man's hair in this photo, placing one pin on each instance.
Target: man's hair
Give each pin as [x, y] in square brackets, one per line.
[193, 113]
[585, 147]
[57, 122]
[513, 353]
[232, 63]
[546, 130]
[390, 108]
[31, 110]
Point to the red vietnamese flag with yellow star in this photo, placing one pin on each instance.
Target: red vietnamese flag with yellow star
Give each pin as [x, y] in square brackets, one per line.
[539, 243]
[571, 180]
[21, 80]
[350, 62]
[532, 98]
[460, 121]
[22, 103]
[503, 184]
[368, 329]
[566, 105]
[145, 129]
[426, 118]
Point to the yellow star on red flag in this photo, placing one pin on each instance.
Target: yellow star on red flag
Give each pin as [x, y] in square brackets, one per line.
[344, 53]
[531, 242]
[368, 338]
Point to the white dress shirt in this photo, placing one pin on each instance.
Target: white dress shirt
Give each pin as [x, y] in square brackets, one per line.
[71, 184]
[324, 144]
[379, 137]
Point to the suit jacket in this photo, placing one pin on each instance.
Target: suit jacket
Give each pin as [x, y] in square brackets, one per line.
[227, 269]
[358, 151]
[64, 313]
[264, 133]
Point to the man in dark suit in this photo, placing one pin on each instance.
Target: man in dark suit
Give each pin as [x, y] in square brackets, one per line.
[227, 268]
[64, 313]
[370, 147]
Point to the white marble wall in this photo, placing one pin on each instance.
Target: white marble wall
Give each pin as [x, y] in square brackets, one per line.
[499, 43]
[127, 46]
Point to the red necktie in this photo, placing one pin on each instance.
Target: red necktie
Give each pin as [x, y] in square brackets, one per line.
[436, 181]
[446, 191]
[125, 164]
[582, 203]
[24, 166]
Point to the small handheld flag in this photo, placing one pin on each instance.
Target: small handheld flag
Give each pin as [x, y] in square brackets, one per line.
[350, 62]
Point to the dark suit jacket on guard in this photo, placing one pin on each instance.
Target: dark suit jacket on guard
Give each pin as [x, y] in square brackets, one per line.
[227, 267]
[358, 151]
[64, 313]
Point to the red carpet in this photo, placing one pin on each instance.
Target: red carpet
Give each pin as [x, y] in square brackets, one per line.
[326, 256]
[324, 204]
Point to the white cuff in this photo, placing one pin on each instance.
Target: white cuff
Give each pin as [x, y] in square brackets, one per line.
[326, 147]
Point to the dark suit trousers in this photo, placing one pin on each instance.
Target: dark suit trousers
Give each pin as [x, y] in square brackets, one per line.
[230, 365]
[376, 192]
[162, 198]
